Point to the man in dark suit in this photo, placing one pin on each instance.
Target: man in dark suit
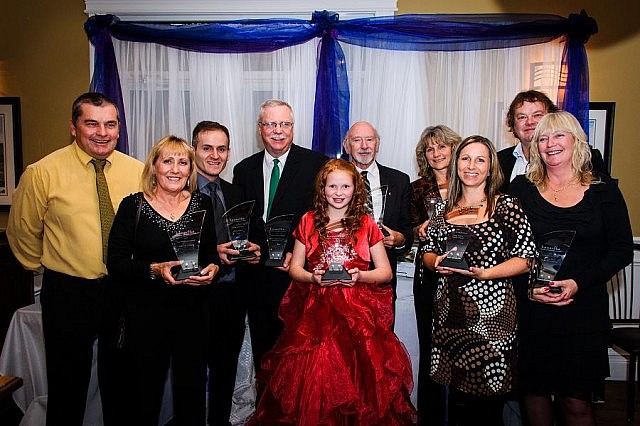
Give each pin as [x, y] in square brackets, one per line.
[227, 301]
[362, 143]
[524, 113]
[280, 179]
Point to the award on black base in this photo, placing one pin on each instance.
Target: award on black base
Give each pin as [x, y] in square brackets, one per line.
[552, 248]
[237, 219]
[278, 230]
[379, 199]
[337, 251]
[457, 243]
[185, 239]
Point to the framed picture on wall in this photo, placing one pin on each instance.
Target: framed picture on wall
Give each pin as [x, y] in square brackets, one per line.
[601, 129]
[10, 149]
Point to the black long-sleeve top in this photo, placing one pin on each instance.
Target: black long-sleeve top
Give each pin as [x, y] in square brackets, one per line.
[603, 244]
[132, 249]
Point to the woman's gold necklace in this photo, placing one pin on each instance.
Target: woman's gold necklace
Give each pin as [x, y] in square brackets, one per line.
[557, 191]
[473, 207]
[170, 211]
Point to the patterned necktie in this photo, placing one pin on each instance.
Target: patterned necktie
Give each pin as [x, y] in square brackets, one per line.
[227, 273]
[368, 205]
[104, 201]
[273, 183]
[215, 192]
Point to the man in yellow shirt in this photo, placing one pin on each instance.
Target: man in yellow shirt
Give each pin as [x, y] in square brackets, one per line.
[55, 227]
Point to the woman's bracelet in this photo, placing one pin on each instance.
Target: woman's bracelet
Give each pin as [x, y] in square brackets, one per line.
[152, 274]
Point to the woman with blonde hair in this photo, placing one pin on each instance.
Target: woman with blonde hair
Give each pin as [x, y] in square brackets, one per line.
[565, 323]
[165, 313]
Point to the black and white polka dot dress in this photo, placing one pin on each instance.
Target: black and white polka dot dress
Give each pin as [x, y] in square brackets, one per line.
[474, 325]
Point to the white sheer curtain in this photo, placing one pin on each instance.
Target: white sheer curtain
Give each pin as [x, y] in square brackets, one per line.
[167, 91]
[401, 93]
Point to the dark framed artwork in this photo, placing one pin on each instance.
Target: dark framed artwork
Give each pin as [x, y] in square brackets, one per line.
[601, 116]
[10, 149]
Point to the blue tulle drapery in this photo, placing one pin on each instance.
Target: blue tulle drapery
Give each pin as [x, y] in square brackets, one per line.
[401, 32]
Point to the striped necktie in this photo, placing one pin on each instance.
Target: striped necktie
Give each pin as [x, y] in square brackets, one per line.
[104, 201]
[368, 205]
[273, 184]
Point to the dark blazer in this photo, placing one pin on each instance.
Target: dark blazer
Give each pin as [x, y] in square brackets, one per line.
[266, 285]
[232, 193]
[293, 196]
[397, 211]
[232, 196]
[507, 161]
[228, 308]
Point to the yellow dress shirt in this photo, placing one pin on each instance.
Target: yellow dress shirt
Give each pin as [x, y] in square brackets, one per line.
[54, 221]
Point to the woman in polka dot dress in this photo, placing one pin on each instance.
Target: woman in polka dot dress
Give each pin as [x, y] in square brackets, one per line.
[474, 325]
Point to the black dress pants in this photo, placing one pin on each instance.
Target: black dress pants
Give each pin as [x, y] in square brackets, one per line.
[424, 285]
[76, 311]
[227, 311]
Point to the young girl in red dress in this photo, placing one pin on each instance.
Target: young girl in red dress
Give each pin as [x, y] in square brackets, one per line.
[337, 361]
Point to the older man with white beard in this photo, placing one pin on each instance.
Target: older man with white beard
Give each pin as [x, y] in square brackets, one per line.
[362, 143]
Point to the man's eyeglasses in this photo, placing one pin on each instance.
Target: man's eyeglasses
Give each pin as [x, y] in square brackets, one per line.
[271, 125]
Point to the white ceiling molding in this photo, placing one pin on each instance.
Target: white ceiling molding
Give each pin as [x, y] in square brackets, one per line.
[221, 10]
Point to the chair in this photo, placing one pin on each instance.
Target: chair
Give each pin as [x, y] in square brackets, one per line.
[624, 310]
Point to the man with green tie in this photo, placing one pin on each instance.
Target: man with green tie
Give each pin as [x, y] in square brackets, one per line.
[280, 178]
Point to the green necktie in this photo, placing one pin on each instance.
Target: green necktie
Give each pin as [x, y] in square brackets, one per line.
[273, 184]
[104, 201]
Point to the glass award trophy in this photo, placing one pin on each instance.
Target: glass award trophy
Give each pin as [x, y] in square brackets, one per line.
[430, 204]
[237, 219]
[337, 251]
[457, 243]
[552, 248]
[185, 239]
[278, 230]
[379, 198]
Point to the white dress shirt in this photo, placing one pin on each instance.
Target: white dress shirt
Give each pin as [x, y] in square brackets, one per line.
[521, 165]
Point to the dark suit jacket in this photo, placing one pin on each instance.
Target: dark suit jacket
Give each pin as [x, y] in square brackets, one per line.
[228, 308]
[232, 193]
[396, 211]
[508, 161]
[294, 196]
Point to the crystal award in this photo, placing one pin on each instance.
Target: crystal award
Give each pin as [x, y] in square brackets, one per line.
[457, 243]
[278, 230]
[185, 239]
[379, 199]
[237, 220]
[552, 248]
[430, 204]
[337, 251]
